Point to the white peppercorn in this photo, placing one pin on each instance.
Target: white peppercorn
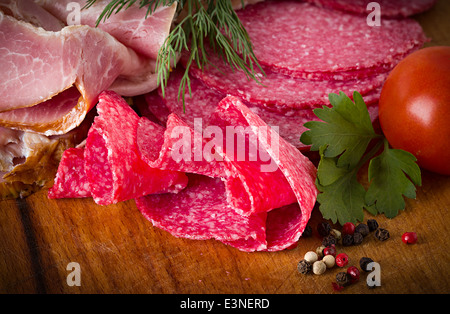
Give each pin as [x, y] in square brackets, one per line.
[337, 234]
[329, 261]
[319, 251]
[311, 257]
[319, 267]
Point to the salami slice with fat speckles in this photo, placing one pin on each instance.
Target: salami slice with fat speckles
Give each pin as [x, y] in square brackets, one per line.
[212, 208]
[303, 40]
[202, 101]
[112, 162]
[71, 180]
[279, 92]
[389, 8]
[201, 212]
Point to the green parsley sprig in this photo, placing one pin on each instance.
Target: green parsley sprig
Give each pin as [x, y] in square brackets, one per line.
[346, 141]
[213, 23]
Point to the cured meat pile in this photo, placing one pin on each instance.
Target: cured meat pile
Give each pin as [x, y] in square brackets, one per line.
[228, 165]
[253, 203]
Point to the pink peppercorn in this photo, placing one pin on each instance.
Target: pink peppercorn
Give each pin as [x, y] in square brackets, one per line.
[409, 237]
[330, 250]
[342, 260]
[348, 228]
[354, 273]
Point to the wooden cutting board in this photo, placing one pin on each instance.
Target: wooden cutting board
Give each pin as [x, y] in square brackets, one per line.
[119, 251]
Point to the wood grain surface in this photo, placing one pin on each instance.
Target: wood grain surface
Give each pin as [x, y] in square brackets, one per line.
[119, 251]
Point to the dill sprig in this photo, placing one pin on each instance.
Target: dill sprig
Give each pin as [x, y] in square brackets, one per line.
[213, 24]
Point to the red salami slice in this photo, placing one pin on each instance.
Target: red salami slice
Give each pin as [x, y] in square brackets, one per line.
[315, 42]
[283, 229]
[112, 162]
[177, 148]
[277, 91]
[389, 8]
[234, 209]
[201, 212]
[298, 170]
[202, 101]
[71, 180]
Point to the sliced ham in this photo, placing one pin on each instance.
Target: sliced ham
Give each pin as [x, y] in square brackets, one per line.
[130, 26]
[37, 65]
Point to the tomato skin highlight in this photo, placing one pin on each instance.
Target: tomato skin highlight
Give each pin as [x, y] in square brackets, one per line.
[414, 108]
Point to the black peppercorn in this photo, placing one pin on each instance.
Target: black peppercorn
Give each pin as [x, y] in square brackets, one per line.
[324, 229]
[343, 278]
[372, 224]
[363, 262]
[304, 267]
[307, 232]
[329, 240]
[363, 229]
[347, 240]
[382, 234]
[357, 238]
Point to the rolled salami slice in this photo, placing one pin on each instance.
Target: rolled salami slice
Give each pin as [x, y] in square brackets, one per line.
[201, 212]
[71, 180]
[112, 162]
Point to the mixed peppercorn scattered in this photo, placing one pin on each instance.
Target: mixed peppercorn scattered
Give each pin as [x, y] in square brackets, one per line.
[326, 256]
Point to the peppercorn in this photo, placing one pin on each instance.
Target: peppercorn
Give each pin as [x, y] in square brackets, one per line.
[307, 232]
[311, 257]
[357, 238]
[329, 250]
[319, 267]
[382, 234]
[409, 237]
[343, 279]
[363, 229]
[347, 240]
[319, 251]
[372, 224]
[337, 234]
[363, 262]
[348, 228]
[342, 259]
[329, 240]
[354, 274]
[329, 261]
[304, 267]
[324, 229]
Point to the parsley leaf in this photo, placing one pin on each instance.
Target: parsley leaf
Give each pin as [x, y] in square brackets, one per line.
[342, 197]
[347, 130]
[342, 140]
[387, 173]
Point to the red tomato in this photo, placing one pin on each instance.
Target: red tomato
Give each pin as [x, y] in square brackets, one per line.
[414, 108]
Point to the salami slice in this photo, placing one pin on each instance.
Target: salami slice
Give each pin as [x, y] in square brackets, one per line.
[177, 147]
[279, 92]
[202, 101]
[298, 170]
[233, 209]
[112, 162]
[389, 8]
[71, 180]
[315, 42]
[201, 212]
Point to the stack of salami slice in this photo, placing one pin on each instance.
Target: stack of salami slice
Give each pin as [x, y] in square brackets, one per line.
[307, 52]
